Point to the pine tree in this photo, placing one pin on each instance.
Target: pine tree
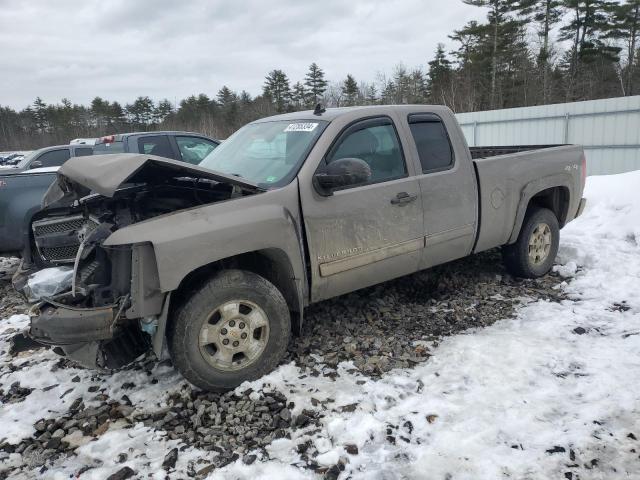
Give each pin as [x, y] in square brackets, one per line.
[627, 30]
[388, 95]
[228, 102]
[276, 88]
[417, 87]
[369, 93]
[499, 36]
[316, 83]
[115, 116]
[226, 97]
[545, 14]
[141, 111]
[440, 78]
[40, 115]
[494, 55]
[299, 95]
[589, 65]
[163, 111]
[350, 91]
[401, 83]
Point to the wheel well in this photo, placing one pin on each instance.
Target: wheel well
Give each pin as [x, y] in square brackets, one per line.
[272, 264]
[555, 199]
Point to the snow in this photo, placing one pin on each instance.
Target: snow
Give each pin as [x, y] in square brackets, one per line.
[534, 396]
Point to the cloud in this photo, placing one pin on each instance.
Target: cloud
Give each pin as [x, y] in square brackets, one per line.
[165, 49]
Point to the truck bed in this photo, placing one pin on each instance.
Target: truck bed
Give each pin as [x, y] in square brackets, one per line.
[505, 181]
[494, 151]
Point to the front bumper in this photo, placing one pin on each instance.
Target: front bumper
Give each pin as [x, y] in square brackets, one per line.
[64, 325]
[91, 337]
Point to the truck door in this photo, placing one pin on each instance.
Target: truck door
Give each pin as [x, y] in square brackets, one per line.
[365, 234]
[52, 158]
[448, 190]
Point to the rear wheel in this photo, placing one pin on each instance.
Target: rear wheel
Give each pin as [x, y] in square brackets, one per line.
[535, 250]
[235, 328]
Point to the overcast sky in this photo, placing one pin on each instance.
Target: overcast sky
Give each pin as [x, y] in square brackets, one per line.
[120, 49]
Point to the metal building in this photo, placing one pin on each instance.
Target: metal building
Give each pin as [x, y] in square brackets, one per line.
[608, 129]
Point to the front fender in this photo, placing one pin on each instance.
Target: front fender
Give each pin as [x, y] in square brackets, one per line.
[186, 240]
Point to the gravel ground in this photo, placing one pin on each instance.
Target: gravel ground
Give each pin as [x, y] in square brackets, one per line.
[389, 326]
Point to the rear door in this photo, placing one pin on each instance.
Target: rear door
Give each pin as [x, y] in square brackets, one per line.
[366, 234]
[448, 189]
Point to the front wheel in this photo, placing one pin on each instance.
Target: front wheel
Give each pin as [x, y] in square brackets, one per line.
[535, 250]
[235, 328]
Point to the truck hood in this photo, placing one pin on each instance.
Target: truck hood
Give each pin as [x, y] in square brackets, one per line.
[104, 174]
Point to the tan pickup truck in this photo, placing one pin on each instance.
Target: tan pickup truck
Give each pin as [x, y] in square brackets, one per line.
[218, 261]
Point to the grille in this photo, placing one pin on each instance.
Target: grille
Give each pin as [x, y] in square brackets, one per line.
[58, 239]
[60, 254]
[63, 226]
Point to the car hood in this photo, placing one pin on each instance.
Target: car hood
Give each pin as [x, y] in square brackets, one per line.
[104, 174]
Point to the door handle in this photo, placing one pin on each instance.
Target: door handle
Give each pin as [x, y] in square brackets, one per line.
[403, 198]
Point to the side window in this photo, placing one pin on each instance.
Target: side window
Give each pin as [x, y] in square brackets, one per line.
[194, 149]
[156, 145]
[54, 158]
[432, 142]
[376, 142]
[83, 152]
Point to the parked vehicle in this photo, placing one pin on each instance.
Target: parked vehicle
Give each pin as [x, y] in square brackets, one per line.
[14, 159]
[183, 146]
[11, 159]
[50, 157]
[220, 260]
[22, 189]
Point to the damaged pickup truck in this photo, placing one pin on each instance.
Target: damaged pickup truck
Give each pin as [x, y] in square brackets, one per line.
[218, 261]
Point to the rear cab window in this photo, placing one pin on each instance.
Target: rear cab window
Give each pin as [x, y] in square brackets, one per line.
[83, 151]
[108, 147]
[432, 142]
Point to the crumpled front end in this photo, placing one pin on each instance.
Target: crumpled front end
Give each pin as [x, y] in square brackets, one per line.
[97, 304]
[83, 308]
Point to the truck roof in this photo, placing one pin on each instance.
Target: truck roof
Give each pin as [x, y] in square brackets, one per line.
[120, 136]
[332, 113]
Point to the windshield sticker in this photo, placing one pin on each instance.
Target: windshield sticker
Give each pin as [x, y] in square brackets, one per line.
[271, 179]
[301, 127]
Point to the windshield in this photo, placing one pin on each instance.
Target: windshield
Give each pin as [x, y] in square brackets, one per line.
[267, 153]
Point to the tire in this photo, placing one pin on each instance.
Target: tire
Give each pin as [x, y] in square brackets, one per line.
[238, 307]
[530, 256]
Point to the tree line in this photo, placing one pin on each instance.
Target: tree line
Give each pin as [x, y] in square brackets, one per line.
[526, 52]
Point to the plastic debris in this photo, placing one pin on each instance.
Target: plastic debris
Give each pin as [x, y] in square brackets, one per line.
[48, 282]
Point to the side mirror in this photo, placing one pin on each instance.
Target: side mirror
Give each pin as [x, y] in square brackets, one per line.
[344, 172]
[35, 164]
